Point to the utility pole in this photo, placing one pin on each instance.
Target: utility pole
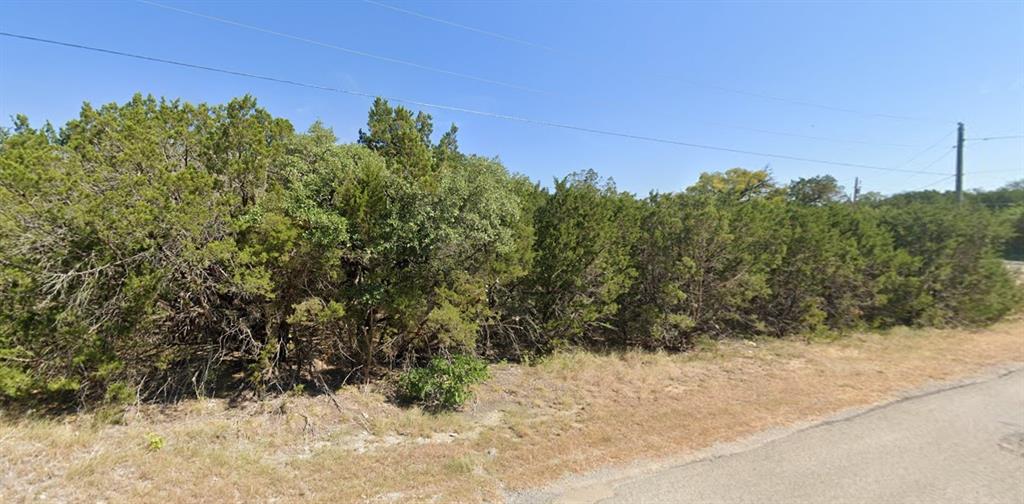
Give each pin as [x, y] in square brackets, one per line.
[856, 189]
[960, 163]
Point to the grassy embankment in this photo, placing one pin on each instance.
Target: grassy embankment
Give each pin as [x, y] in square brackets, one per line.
[528, 425]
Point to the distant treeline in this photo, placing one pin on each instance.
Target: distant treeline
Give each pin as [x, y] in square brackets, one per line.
[159, 249]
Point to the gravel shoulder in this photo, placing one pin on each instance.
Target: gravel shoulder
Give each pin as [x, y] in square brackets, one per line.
[951, 442]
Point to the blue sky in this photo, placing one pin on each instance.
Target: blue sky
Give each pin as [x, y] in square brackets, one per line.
[666, 70]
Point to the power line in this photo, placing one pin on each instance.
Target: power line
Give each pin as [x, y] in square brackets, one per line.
[940, 158]
[806, 103]
[515, 86]
[726, 89]
[946, 154]
[941, 180]
[452, 108]
[930, 147]
[985, 139]
[1020, 171]
[342, 49]
[936, 160]
[459, 25]
[809, 137]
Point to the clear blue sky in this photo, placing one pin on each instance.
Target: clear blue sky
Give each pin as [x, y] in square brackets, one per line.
[652, 69]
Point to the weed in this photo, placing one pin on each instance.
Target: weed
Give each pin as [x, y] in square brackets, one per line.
[443, 383]
[154, 442]
[460, 465]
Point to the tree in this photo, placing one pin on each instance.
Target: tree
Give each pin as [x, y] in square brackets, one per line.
[736, 183]
[407, 260]
[584, 231]
[402, 139]
[959, 276]
[1016, 185]
[820, 190]
[164, 248]
[125, 241]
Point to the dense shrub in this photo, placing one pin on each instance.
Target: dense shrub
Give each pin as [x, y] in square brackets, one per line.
[958, 273]
[1005, 204]
[444, 383]
[1013, 216]
[162, 248]
[837, 271]
[126, 241]
[703, 260]
[584, 232]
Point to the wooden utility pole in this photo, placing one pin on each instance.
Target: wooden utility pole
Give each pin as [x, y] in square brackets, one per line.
[856, 189]
[960, 163]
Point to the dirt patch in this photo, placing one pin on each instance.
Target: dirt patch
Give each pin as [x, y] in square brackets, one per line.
[529, 425]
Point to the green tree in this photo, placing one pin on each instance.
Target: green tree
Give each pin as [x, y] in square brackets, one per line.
[959, 276]
[584, 231]
[403, 139]
[820, 190]
[410, 258]
[165, 248]
[121, 238]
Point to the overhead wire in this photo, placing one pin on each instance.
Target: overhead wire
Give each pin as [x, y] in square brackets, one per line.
[985, 139]
[809, 137]
[940, 158]
[1005, 137]
[726, 89]
[983, 172]
[926, 186]
[335, 47]
[946, 153]
[452, 108]
[460, 25]
[1019, 170]
[515, 86]
[930, 147]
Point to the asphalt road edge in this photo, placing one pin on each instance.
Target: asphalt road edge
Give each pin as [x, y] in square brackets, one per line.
[593, 486]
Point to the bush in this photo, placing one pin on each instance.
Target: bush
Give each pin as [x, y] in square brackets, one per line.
[167, 245]
[703, 261]
[444, 383]
[154, 442]
[956, 273]
[585, 231]
[155, 248]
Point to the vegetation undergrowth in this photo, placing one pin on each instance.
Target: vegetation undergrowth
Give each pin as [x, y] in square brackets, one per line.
[444, 383]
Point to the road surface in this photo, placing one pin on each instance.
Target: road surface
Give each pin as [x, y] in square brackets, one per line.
[960, 445]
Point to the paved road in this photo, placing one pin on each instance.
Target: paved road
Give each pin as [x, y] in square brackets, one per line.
[963, 445]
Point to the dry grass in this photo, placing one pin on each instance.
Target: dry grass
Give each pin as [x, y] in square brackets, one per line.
[528, 425]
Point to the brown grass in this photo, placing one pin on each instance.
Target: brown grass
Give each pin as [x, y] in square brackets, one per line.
[528, 425]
